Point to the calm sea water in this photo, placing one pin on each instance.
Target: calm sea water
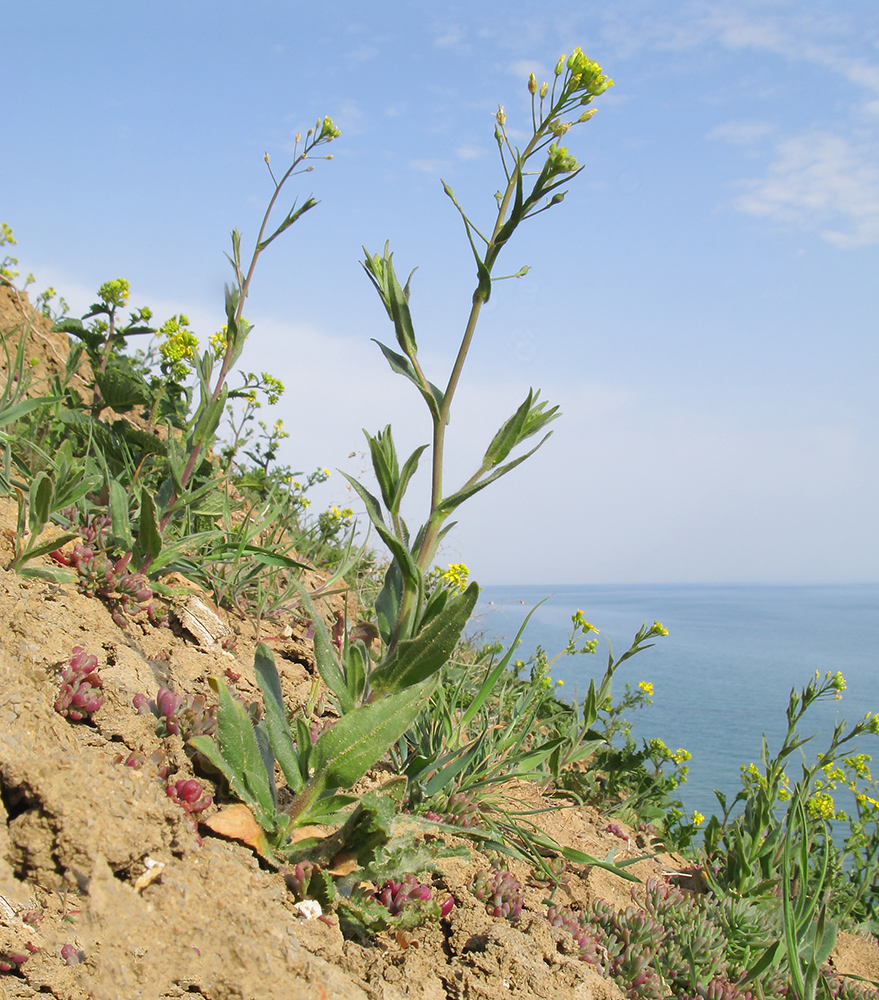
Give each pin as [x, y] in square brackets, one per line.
[723, 675]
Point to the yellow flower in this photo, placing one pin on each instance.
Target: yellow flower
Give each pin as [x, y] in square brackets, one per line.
[698, 818]
[456, 576]
[580, 622]
[821, 806]
[646, 687]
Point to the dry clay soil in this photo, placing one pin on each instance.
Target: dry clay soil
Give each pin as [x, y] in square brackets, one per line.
[94, 855]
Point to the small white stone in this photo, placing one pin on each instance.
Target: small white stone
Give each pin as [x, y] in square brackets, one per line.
[308, 908]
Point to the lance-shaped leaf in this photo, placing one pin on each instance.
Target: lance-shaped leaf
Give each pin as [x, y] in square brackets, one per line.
[415, 660]
[349, 748]
[531, 417]
[293, 215]
[395, 298]
[401, 554]
[120, 523]
[447, 505]
[149, 537]
[327, 662]
[432, 394]
[276, 716]
[384, 463]
[242, 762]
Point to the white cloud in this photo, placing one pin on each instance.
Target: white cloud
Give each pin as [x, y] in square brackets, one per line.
[741, 133]
[469, 152]
[822, 181]
[435, 167]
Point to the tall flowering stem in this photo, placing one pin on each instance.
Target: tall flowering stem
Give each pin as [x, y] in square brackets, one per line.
[527, 191]
[214, 392]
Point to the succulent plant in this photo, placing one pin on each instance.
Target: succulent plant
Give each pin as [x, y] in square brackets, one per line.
[71, 955]
[79, 694]
[500, 892]
[189, 795]
[178, 715]
[299, 878]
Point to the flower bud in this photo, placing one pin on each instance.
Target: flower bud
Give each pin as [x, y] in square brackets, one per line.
[544, 89]
[532, 83]
[560, 65]
[501, 115]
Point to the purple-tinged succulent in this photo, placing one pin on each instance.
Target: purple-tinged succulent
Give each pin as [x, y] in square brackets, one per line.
[189, 795]
[500, 892]
[71, 955]
[298, 879]
[617, 831]
[395, 895]
[192, 799]
[398, 897]
[11, 960]
[137, 760]
[178, 715]
[99, 574]
[79, 693]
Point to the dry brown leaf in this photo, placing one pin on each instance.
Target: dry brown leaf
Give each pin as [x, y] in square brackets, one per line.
[343, 863]
[237, 823]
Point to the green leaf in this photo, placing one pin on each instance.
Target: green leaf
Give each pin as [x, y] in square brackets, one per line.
[149, 538]
[39, 502]
[276, 716]
[120, 388]
[448, 504]
[21, 409]
[415, 660]
[579, 858]
[349, 748]
[387, 604]
[238, 745]
[530, 418]
[408, 471]
[433, 396]
[151, 444]
[384, 463]
[293, 216]
[494, 676]
[119, 520]
[325, 655]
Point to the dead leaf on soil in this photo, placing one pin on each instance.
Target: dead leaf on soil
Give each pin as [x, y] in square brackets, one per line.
[237, 823]
[343, 863]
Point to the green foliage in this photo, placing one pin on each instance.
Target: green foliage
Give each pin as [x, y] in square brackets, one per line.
[245, 753]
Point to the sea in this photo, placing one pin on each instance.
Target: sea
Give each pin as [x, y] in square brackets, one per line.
[722, 677]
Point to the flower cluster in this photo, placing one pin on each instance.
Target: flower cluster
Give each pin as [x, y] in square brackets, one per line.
[79, 695]
[455, 577]
[115, 293]
[178, 348]
[333, 521]
[500, 892]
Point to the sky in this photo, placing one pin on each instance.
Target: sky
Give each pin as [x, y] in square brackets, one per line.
[702, 306]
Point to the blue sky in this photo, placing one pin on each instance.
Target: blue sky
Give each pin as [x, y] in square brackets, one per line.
[702, 306]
